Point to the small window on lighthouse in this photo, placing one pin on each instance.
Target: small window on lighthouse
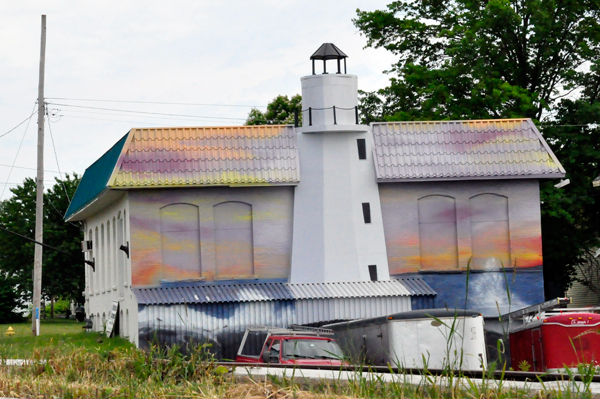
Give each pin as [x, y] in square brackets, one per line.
[366, 212]
[373, 272]
[362, 148]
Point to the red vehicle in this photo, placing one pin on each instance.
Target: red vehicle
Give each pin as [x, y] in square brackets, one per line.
[309, 346]
[556, 342]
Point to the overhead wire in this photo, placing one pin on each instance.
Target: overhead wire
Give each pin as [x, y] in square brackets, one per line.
[23, 167]
[62, 182]
[118, 120]
[156, 102]
[25, 120]
[146, 112]
[56, 111]
[18, 150]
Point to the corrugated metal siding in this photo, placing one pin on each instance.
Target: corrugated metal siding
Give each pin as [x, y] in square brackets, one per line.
[315, 310]
[223, 324]
[422, 302]
[407, 151]
[198, 156]
[251, 292]
[416, 286]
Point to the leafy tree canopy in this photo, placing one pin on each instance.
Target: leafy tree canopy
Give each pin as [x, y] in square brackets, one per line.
[481, 59]
[280, 111]
[502, 59]
[61, 276]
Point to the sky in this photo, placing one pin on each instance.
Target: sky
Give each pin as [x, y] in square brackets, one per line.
[109, 64]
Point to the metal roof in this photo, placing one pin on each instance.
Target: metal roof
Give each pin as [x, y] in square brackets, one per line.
[328, 51]
[270, 291]
[596, 182]
[447, 150]
[416, 286]
[95, 178]
[199, 156]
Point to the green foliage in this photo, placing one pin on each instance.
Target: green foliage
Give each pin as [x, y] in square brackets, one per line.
[280, 111]
[60, 306]
[62, 276]
[524, 365]
[10, 301]
[502, 59]
[480, 59]
[57, 336]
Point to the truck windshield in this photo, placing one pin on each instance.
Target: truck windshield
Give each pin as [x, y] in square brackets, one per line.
[311, 349]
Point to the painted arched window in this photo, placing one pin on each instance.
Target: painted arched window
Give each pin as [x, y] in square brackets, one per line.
[234, 248]
[489, 231]
[90, 256]
[437, 233]
[108, 257]
[180, 242]
[120, 257]
[102, 258]
[98, 258]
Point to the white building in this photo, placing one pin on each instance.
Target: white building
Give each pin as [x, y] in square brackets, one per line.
[224, 227]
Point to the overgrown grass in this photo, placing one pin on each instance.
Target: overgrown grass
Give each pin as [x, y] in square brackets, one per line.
[162, 373]
[61, 337]
[132, 373]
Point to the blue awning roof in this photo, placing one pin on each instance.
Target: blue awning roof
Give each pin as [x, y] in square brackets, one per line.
[95, 178]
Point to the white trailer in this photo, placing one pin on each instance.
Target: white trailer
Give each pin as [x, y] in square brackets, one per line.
[433, 339]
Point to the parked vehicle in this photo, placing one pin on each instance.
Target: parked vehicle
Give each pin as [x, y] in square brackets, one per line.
[555, 342]
[434, 338]
[297, 345]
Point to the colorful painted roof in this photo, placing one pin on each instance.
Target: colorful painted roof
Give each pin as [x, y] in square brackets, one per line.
[200, 156]
[271, 291]
[193, 156]
[451, 150]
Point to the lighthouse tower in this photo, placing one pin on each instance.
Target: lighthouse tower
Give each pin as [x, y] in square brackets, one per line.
[338, 229]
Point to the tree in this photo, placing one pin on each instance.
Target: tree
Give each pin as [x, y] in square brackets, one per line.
[571, 216]
[10, 301]
[280, 111]
[62, 276]
[502, 59]
[481, 59]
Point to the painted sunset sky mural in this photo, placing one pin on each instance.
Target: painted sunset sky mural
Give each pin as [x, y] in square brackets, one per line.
[443, 226]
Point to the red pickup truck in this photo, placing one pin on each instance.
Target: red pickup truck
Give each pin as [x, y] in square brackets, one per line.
[310, 346]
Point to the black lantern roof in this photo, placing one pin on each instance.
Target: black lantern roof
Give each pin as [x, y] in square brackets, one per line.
[328, 51]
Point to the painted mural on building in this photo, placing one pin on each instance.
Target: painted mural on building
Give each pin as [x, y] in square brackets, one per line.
[210, 234]
[332, 219]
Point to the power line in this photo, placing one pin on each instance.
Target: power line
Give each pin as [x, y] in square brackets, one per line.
[126, 121]
[62, 182]
[89, 262]
[18, 150]
[156, 102]
[55, 112]
[23, 167]
[115, 120]
[16, 184]
[25, 120]
[146, 112]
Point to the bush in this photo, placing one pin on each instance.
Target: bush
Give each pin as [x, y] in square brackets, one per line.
[10, 302]
[60, 306]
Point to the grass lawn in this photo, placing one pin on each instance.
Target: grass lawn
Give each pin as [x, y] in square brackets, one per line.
[59, 336]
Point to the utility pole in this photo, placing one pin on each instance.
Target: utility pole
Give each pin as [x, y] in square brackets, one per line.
[39, 200]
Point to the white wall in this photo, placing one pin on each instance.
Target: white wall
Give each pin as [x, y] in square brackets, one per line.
[111, 280]
[331, 240]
